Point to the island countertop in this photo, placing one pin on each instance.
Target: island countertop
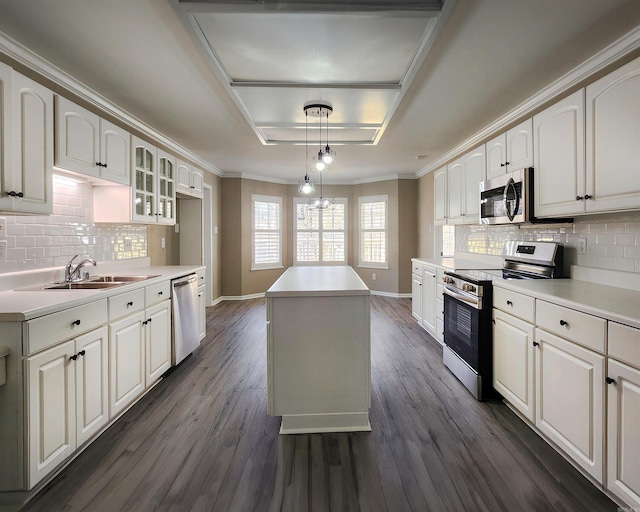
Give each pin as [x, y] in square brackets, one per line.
[318, 281]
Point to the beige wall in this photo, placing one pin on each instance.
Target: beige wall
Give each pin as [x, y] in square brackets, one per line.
[238, 279]
[425, 226]
[216, 215]
[407, 231]
[231, 237]
[258, 281]
[170, 255]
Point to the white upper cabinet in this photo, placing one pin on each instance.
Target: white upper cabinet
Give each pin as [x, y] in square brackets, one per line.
[90, 145]
[440, 199]
[511, 150]
[559, 177]
[463, 182]
[166, 196]
[189, 179]
[26, 180]
[613, 140]
[144, 163]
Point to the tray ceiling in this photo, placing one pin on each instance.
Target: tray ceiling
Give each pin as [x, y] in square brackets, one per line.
[274, 57]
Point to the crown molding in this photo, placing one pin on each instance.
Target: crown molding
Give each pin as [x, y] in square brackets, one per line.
[23, 55]
[609, 55]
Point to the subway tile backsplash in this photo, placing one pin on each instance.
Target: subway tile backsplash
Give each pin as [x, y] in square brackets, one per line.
[42, 241]
[613, 240]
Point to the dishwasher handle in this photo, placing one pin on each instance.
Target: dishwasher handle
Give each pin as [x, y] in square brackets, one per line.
[184, 280]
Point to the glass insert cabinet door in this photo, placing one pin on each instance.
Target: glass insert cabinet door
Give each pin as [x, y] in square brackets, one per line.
[166, 188]
[144, 206]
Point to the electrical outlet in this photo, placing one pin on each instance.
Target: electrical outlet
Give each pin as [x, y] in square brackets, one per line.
[3, 250]
[582, 246]
[374, 277]
[162, 243]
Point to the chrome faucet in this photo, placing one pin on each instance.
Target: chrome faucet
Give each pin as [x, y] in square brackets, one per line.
[72, 273]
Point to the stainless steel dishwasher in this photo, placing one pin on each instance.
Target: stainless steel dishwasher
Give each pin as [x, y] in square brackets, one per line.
[186, 332]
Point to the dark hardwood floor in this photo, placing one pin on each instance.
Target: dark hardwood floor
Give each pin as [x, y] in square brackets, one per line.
[201, 440]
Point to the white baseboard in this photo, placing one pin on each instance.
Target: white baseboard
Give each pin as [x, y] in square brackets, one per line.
[392, 295]
[239, 297]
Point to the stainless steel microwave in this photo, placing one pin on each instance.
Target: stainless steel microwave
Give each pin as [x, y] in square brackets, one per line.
[507, 199]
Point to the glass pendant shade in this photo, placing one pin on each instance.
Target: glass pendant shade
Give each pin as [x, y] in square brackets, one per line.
[306, 185]
[319, 163]
[329, 155]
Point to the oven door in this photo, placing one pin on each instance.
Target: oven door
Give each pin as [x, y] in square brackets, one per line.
[462, 327]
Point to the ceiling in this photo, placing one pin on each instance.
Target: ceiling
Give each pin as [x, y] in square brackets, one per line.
[228, 80]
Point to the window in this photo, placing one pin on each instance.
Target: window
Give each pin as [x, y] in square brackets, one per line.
[372, 213]
[320, 236]
[267, 232]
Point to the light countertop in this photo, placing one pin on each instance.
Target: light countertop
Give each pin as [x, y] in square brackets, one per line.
[18, 305]
[461, 263]
[318, 281]
[609, 302]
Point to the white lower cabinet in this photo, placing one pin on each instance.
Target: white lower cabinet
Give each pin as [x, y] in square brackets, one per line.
[429, 299]
[157, 333]
[127, 362]
[623, 438]
[416, 296]
[570, 399]
[513, 362]
[67, 400]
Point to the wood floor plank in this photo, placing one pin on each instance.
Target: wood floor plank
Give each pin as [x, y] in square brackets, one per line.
[201, 440]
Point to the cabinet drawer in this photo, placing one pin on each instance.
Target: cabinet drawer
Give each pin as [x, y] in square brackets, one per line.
[201, 277]
[624, 343]
[586, 330]
[516, 304]
[125, 304]
[157, 293]
[416, 268]
[50, 330]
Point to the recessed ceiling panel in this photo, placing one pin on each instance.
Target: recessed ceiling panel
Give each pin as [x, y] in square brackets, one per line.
[337, 136]
[313, 48]
[274, 61]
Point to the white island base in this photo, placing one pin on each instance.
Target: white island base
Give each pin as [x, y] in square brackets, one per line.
[318, 351]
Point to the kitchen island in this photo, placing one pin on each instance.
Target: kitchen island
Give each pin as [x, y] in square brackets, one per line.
[319, 351]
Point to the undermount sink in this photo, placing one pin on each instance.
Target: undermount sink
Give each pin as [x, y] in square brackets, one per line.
[82, 285]
[117, 279]
[93, 283]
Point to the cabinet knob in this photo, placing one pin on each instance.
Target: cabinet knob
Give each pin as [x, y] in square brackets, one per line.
[503, 165]
[509, 303]
[149, 320]
[609, 380]
[587, 196]
[536, 344]
[129, 304]
[81, 353]
[145, 322]
[579, 198]
[75, 322]
[159, 293]
[73, 357]
[562, 322]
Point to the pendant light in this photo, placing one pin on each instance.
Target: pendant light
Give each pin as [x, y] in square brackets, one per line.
[318, 110]
[306, 184]
[319, 162]
[329, 156]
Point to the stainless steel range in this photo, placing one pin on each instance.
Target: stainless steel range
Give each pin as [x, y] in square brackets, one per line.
[468, 294]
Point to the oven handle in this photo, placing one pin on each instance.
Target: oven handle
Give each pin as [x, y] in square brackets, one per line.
[510, 184]
[473, 302]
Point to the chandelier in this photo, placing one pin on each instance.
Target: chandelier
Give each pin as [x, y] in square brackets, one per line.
[322, 160]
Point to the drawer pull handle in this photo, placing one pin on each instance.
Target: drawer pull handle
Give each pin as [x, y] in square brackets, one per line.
[73, 357]
[536, 344]
[75, 322]
[509, 303]
[609, 380]
[81, 353]
[562, 322]
[149, 320]
[145, 322]
[159, 293]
